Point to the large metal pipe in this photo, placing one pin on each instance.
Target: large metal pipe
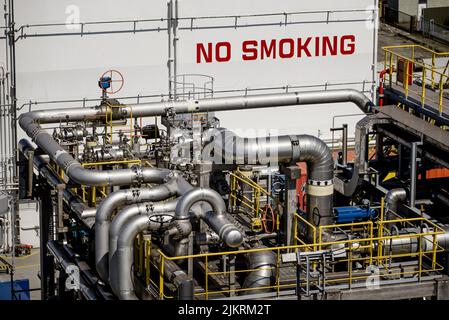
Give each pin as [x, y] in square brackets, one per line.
[215, 219]
[121, 279]
[262, 274]
[113, 201]
[128, 212]
[392, 200]
[84, 213]
[231, 149]
[251, 102]
[347, 187]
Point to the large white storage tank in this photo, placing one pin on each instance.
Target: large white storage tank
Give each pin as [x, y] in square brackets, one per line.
[264, 46]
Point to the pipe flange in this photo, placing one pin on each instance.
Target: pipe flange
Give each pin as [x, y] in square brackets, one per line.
[67, 166]
[35, 132]
[149, 207]
[138, 179]
[322, 183]
[170, 112]
[183, 228]
[135, 193]
[170, 176]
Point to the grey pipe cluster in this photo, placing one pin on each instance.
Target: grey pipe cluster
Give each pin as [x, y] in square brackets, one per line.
[121, 264]
[30, 123]
[290, 149]
[175, 185]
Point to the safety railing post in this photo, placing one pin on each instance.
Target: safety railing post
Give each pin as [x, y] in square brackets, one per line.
[391, 69]
[278, 272]
[423, 93]
[433, 71]
[434, 247]
[147, 262]
[441, 91]
[206, 274]
[161, 277]
[406, 84]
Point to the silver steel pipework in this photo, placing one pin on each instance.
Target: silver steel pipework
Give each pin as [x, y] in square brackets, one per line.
[287, 150]
[110, 204]
[122, 217]
[30, 123]
[263, 274]
[215, 219]
[251, 102]
[84, 212]
[74, 170]
[392, 200]
[122, 280]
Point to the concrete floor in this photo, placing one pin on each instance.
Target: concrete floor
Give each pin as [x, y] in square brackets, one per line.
[26, 267]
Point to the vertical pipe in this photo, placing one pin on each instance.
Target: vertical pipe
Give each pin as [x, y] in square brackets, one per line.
[175, 49]
[413, 172]
[169, 64]
[345, 144]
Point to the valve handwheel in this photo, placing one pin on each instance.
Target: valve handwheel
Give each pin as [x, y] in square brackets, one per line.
[111, 79]
[269, 219]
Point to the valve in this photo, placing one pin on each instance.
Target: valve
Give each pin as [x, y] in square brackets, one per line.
[111, 82]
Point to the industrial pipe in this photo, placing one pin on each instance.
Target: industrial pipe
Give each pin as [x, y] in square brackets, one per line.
[232, 149]
[30, 123]
[128, 212]
[127, 196]
[121, 277]
[392, 200]
[215, 219]
[262, 271]
[84, 213]
[250, 102]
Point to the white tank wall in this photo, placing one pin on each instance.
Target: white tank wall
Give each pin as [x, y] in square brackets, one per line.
[59, 68]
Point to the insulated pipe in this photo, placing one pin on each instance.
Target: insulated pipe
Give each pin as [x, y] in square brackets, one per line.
[122, 280]
[128, 212]
[262, 266]
[113, 201]
[251, 102]
[231, 149]
[392, 200]
[215, 219]
[150, 210]
[83, 212]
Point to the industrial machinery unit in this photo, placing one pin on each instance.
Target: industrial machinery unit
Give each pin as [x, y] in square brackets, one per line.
[194, 211]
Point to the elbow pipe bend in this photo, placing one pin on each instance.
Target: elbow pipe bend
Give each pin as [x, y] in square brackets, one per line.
[393, 198]
[216, 219]
[74, 170]
[106, 210]
[121, 277]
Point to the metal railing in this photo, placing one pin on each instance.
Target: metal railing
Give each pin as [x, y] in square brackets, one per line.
[371, 248]
[426, 84]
